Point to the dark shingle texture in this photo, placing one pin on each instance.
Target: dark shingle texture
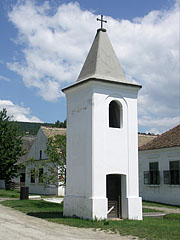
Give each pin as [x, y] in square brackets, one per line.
[170, 138]
[27, 144]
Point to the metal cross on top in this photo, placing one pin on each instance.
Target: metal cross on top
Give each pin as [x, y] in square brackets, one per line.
[101, 20]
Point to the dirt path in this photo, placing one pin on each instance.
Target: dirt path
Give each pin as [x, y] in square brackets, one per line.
[15, 225]
[164, 209]
[4, 199]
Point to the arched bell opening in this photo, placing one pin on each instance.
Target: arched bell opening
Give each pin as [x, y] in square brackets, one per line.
[115, 114]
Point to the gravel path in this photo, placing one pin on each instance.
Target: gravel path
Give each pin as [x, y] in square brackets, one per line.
[164, 209]
[15, 225]
[4, 199]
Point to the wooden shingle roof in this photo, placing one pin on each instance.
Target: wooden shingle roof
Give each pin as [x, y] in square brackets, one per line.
[27, 144]
[51, 132]
[171, 138]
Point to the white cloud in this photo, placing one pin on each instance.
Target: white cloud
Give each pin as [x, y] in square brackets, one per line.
[159, 124]
[55, 45]
[4, 78]
[18, 113]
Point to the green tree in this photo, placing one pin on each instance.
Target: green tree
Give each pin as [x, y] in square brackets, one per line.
[59, 124]
[11, 148]
[65, 123]
[54, 167]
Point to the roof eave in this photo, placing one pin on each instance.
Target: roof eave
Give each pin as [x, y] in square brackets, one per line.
[100, 80]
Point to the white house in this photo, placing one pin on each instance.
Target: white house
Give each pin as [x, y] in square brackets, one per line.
[102, 139]
[20, 180]
[37, 152]
[28, 141]
[159, 168]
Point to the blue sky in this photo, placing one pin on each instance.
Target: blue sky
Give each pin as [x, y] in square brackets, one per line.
[44, 44]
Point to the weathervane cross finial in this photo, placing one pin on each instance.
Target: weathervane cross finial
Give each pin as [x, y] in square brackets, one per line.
[101, 20]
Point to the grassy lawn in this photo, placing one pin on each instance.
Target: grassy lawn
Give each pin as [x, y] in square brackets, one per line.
[9, 193]
[153, 204]
[149, 228]
[16, 194]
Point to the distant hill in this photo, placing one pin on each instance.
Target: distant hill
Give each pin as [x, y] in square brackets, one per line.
[31, 128]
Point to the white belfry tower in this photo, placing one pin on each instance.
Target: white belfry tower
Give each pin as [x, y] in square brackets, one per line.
[102, 139]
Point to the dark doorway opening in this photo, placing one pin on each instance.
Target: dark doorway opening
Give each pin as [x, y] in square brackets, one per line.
[22, 177]
[113, 194]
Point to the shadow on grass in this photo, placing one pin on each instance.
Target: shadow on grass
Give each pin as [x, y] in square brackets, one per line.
[46, 215]
[44, 204]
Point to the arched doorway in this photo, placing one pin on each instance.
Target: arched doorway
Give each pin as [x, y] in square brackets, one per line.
[113, 194]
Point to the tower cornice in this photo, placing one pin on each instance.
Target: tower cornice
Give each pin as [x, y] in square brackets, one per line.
[102, 81]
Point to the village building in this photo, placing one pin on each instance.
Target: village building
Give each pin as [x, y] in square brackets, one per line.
[38, 152]
[102, 139]
[144, 138]
[159, 168]
[27, 144]
[20, 180]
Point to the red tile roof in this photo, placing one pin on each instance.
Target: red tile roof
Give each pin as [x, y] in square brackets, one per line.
[145, 138]
[171, 138]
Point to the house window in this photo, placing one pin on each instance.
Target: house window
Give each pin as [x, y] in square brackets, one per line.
[115, 114]
[166, 176]
[173, 175]
[33, 175]
[153, 175]
[41, 171]
[40, 154]
[174, 167]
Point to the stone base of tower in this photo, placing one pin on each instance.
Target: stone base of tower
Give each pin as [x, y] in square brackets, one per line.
[135, 208]
[96, 208]
[87, 208]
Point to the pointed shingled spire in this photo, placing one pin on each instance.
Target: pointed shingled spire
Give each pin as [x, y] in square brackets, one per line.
[102, 62]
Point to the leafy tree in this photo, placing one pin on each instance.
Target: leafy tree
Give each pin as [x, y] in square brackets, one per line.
[54, 166]
[65, 123]
[59, 124]
[11, 148]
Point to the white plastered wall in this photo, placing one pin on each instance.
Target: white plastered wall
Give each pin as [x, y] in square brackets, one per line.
[115, 150]
[2, 184]
[102, 150]
[163, 193]
[38, 188]
[79, 144]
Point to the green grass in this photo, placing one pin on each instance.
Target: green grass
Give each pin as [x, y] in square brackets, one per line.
[153, 204]
[16, 194]
[9, 193]
[173, 216]
[149, 228]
